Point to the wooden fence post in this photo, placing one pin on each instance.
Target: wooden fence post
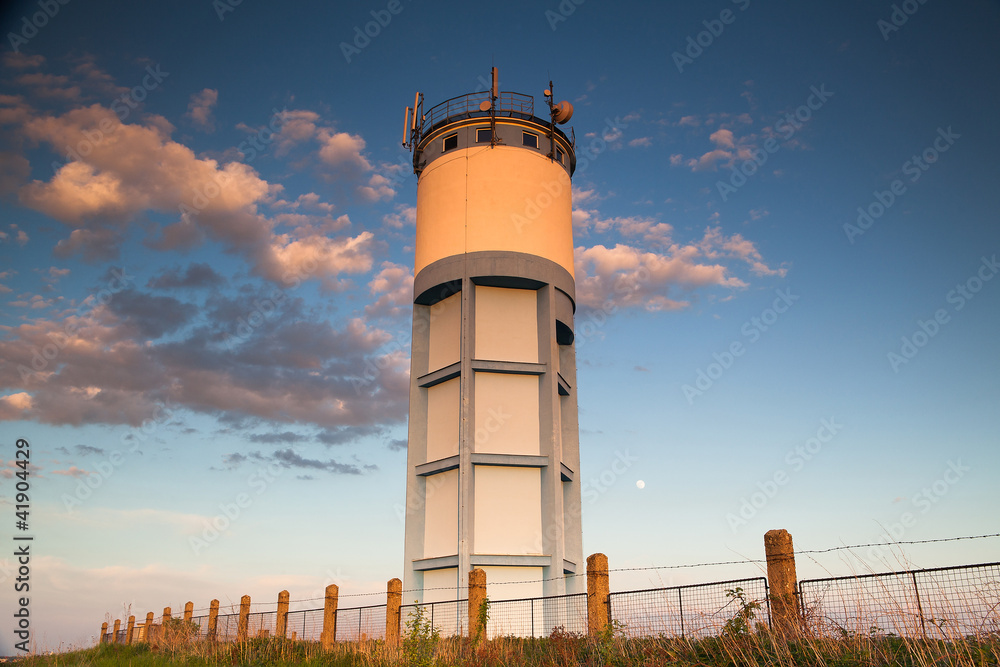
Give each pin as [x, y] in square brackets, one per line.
[148, 633]
[189, 611]
[477, 598]
[213, 620]
[329, 635]
[281, 623]
[114, 633]
[104, 632]
[243, 629]
[393, 602]
[131, 630]
[597, 594]
[781, 582]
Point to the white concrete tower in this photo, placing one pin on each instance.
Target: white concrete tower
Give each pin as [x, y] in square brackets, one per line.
[493, 457]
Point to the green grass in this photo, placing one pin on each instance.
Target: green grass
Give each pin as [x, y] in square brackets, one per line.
[560, 648]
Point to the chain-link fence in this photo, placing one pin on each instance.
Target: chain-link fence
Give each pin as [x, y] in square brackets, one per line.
[537, 617]
[938, 603]
[448, 618]
[697, 610]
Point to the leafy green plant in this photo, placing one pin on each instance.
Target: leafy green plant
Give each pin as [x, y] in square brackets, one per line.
[482, 618]
[742, 623]
[421, 638]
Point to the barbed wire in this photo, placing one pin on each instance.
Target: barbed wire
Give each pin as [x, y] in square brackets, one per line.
[640, 569]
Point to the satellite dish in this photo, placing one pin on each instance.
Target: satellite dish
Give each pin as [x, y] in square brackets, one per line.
[548, 92]
[485, 105]
[562, 112]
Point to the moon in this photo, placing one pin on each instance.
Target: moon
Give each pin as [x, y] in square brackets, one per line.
[640, 484]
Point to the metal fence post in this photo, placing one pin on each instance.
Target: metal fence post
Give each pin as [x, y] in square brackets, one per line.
[920, 610]
[680, 606]
[598, 603]
[781, 582]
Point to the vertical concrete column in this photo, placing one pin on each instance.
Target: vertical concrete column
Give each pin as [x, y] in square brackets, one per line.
[166, 615]
[781, 582]
[104, 633]
[213, 620]
[477, 597]
[598, 587]
[149, 627]
[131, 629]
[328, 637]
[189, 611]
[393, 602]
[114, 633]
[281, 624]
[243, 629]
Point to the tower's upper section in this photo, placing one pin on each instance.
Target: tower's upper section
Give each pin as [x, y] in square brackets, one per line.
[492, 177]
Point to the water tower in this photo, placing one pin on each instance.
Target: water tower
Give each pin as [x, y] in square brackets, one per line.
[493, 462]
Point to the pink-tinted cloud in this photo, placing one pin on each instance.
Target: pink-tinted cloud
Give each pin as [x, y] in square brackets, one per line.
[200, 109]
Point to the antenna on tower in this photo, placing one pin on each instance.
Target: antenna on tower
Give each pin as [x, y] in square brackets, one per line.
[494, 94]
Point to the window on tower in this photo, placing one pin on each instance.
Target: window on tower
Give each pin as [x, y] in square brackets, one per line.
[450, 142]
[483, 135]
[529, 139]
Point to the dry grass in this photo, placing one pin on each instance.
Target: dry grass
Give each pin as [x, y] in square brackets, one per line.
[560, 648]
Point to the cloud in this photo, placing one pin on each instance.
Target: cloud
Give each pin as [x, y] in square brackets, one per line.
[290, 459]
[200, 109]
[629, 276]
[15, 406]
[196, 275]
[87, 449]
[133, 168]
[403, 216]
[72, 471]
[116, 364]
[393, 288]
[641, 142]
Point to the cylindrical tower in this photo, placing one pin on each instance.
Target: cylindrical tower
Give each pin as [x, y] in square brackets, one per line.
[493, 454]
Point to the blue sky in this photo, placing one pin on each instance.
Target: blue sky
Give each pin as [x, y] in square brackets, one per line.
[222, 273]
